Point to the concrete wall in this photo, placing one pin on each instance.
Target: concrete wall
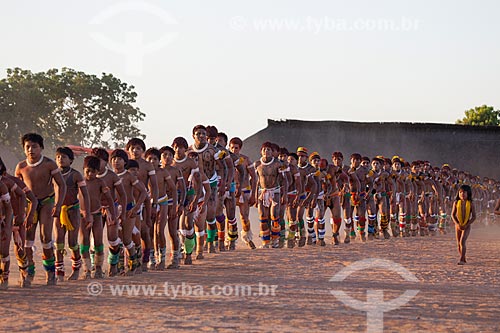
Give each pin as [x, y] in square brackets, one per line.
[470, 148]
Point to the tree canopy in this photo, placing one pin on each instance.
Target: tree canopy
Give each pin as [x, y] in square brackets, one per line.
[481, 116]
[68, 107]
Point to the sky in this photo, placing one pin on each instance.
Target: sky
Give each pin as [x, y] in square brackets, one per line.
[235, 64]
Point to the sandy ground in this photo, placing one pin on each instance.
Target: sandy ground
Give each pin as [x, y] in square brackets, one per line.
[451, 298]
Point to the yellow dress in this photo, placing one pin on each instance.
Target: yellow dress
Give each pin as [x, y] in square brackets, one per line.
[462, 220]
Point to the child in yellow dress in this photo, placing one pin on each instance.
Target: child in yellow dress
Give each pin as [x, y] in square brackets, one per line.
[463, 214]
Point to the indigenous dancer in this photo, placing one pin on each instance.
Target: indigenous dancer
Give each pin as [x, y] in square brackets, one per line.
[175, 208]
[114, 208]
[200, 212]
[245, 180]
[166, 187]
[209, 159]
[268, 194]
[19, 193]
[69, 220]
[96, 188]
[308, 199]
[229, 199]
[224, 170]
[337, 178]
[319, 217]
[147, 175]
[295, 194]
[397, 208]
[463, 214]
[130, 225]
[38, 172]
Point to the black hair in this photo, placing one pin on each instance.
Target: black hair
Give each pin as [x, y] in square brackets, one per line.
[180, 142]
[167, 148]
[92, 162]
[153, 151]
[465, 188]
[223, 135]
[199, 127]
[136, 142]
[65, 151]
[33, 137]
[236, 141]
[212, 131]
[121, 154]
[100, 153]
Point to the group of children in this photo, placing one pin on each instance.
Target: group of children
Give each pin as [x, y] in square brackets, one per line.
[135, 194]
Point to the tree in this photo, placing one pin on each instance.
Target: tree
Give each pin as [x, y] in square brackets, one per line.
[68, 107]
[481, 116]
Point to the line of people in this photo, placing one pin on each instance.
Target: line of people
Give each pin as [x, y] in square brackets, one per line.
[134, 194]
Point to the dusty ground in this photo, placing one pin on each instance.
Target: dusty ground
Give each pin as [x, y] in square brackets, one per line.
[450, 298]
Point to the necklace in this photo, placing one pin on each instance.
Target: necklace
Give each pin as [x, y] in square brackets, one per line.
[268, 163]
[36, 163]
[201, 150]
[122, 173]
[103, 174]
[66, 173]
[180, 161]
[303, 167]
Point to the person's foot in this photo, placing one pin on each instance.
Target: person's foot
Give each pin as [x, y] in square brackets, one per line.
[151, 265]
[211, 248]
[200, 256]
[232, 245]
[309, 240]
[422, 232]
[370, 237]
[281, 243]
[174, 264]
[347, 239]
[86, 276]
[74, 275]
[30, 277]
[222, 247]
[290, 243]
[113, 271]
[4, 284]
[251, 245]
[160, 266]
[138, 268]
[461, 262]
[363, 237]
[188, 260]
[98, 274]
[51, 278]
[60, 276]
[321, 242]
[336, 240]
[275, 243]
[144, 267]
[24, 283]
[302, 241]
[386, 234]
